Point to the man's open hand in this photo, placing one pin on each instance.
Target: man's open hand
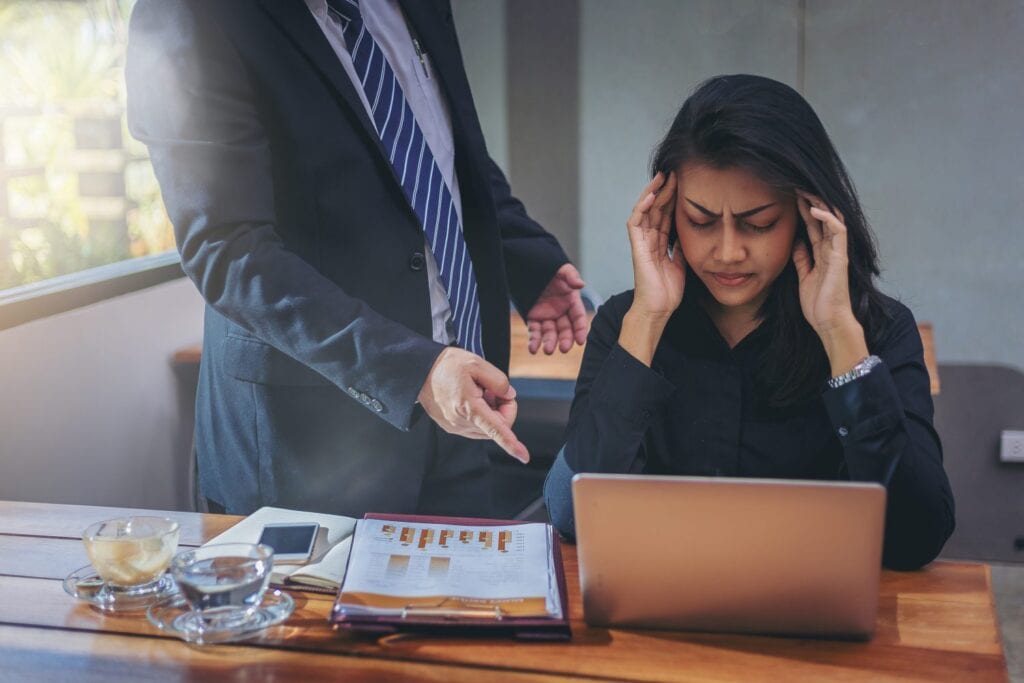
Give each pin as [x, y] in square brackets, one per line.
[558, 317]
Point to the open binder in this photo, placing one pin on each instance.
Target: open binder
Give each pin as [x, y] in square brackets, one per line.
[519, 616]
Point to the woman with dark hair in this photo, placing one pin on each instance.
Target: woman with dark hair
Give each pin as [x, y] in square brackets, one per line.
[755, 343]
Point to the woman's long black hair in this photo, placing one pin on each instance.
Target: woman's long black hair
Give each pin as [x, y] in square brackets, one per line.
[766, 127]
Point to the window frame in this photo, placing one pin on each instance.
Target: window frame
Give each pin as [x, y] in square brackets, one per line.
[37, 300]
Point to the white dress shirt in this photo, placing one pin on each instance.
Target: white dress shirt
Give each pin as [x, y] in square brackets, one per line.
[386, 23]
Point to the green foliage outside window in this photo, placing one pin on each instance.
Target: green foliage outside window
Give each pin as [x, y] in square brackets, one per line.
[76, 191]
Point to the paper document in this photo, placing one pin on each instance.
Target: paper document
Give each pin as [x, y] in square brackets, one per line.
[326, 566]
[465, 570]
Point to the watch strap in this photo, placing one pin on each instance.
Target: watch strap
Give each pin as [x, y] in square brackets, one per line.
[859, 370]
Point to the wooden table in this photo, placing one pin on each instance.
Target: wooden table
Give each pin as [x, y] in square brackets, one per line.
[936, 624]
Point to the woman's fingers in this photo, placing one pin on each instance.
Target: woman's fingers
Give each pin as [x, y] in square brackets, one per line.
[653, 210]
[666, 194]
[833, 228]
[646, 200]
[636, 219]
[830, 219]
[822, 217]
[814, 231]
[818, 202]
[812, 199]
[651, 220]
[652, 187]
[665, 204]
[825, 228]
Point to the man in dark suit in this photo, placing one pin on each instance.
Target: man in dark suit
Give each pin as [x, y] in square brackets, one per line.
[343, 299]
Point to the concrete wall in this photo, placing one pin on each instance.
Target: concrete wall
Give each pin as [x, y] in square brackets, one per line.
[522, 58]
[89, 409]
[543, 113]
[481, 28]
[924, 101]
[922, 97]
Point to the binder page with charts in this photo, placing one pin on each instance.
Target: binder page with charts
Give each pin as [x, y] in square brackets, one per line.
[461, 570]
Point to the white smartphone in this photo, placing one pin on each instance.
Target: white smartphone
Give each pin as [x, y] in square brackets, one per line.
[292, 543]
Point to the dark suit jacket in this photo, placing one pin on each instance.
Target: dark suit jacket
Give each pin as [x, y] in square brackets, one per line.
[292, 224]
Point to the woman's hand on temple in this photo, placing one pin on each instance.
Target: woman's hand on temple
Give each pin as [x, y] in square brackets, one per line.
[825, 284]
[659, 278]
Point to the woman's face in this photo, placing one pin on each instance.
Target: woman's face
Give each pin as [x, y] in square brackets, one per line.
[736, 232]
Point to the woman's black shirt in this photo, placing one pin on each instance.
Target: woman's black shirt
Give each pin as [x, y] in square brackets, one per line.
[695, 412]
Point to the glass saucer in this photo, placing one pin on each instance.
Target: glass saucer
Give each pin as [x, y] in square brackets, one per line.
[174, 616]
[86, 585]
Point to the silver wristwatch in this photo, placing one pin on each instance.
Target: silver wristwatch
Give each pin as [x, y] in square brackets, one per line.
[859, 370]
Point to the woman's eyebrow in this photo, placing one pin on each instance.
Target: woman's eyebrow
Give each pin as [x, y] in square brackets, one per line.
[742, 214]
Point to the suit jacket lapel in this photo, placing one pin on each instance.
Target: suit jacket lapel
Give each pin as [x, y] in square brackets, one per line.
[295, 19]
[435, 33]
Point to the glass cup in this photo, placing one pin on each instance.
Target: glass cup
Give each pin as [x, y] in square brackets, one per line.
[131, 554]
[222, 584]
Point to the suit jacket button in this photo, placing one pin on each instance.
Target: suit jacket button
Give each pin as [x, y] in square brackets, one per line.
[417, 261]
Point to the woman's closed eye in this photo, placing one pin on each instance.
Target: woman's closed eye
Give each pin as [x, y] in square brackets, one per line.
[754, 227]
[698, 225]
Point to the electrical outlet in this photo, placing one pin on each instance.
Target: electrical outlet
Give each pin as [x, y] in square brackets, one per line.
[1011, 446]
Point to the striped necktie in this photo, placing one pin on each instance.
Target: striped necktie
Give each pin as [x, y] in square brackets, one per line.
[414, 165]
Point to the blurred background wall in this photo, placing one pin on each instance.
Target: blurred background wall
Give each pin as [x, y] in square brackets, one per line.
[923, 98]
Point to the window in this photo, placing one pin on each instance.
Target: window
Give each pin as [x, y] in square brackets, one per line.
[76, 191]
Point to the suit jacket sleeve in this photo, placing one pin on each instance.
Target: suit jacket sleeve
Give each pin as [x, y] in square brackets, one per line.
[191, 102]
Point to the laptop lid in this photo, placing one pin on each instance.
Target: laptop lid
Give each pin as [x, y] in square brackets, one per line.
[728, 554]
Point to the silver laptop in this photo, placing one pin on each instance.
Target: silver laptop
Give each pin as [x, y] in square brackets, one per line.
[735, 555]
